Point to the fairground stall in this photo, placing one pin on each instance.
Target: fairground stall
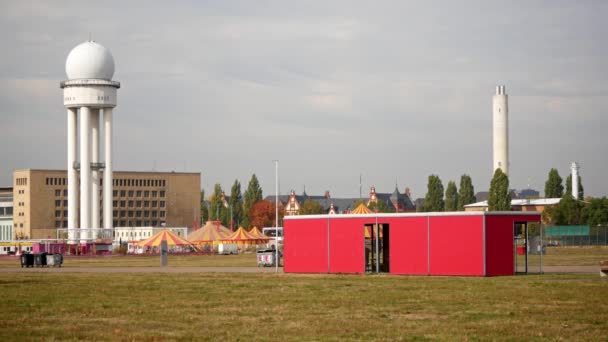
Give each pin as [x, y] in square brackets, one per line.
[446, 243]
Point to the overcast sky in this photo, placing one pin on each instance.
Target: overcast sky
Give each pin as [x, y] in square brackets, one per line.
[392, 91]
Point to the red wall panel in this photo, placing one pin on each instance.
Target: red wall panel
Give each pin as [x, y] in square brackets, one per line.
[346, 245]
[499, 243]
[305, 246]
[456, 245]
[408, 245]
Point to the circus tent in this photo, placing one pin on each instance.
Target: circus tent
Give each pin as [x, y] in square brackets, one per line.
[164, 235]
[256, 232]
[241, 236]
[361, 209]
[209, 233]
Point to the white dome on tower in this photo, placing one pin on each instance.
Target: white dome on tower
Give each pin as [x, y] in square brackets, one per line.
[89, 60]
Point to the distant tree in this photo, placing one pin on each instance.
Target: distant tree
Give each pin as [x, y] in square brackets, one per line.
[235, 203]
[253, 195]
[553, 185]
[500, 199]
[581, 190]
[434, 195]
[568, 211]
[596, 212]
[466, 194]
[380, 207]
[262, 214]
[217, 210]
[451, 197]
[310, 207]
[204, 209]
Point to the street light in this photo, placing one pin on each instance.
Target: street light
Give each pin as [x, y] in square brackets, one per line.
[276, 222]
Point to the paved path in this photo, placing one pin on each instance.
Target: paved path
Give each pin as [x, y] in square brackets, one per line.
[546, 269]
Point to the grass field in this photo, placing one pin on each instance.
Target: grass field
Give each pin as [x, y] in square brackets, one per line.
[284, 307]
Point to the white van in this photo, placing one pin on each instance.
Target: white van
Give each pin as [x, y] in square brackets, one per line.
[271, 233]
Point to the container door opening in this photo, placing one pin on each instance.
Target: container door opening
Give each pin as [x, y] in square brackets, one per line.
[377, 248]
[520, 247]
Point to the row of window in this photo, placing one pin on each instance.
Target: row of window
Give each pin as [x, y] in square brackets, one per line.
[122, 213]
[120, 223]
[124, 204]
[138, 204]
[6, 211]
[55, 181]
[138, 213]
[21, 181]
[115, 182]
[139, 193]
[139, 182]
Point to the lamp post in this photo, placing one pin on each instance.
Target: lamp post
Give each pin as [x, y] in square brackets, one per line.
[276, 209]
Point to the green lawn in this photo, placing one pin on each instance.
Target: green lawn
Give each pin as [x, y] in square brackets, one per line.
[284, 307]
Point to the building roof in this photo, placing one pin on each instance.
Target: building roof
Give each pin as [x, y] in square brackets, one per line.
[519, 202]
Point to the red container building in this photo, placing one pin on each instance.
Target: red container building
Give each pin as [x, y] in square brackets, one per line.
[450, 243]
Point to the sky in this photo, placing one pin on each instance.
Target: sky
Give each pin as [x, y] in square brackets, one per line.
[388, 92]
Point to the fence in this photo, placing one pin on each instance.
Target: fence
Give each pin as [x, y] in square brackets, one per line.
[575, 235]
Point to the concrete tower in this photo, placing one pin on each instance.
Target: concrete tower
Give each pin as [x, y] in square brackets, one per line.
[500, 110]
[574, 176]
[89, 92]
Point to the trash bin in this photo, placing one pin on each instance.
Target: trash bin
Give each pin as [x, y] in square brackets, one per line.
[27, 260]
[54, 260]
[266, 257]
[40, 259]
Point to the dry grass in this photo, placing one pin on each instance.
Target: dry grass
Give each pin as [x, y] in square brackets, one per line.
[175, 260]
[284, 307]
[568, 256]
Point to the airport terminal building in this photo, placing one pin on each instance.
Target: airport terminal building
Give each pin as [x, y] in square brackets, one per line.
[40, 201]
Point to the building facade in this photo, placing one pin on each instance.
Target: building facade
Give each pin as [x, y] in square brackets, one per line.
[6, 214]
[157, 199]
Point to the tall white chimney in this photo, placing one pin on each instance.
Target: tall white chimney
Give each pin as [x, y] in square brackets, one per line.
[500, 122]
[574, 176]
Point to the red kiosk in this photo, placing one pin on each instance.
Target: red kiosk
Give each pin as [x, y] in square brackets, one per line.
[450, 243]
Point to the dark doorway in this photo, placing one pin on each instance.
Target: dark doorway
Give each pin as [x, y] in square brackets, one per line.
[377, 253]
[520, 247]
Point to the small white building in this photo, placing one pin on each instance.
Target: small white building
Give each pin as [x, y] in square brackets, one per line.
[124, 234]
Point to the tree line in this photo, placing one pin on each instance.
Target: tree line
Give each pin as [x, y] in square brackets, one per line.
[247, 210]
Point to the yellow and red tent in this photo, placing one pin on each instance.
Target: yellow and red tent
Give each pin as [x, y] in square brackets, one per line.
[164, 235]
[210, 233]
[256, 232]
[361, 209]
[242, 236]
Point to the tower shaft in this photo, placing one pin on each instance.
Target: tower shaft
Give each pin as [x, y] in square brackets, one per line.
[500, 121]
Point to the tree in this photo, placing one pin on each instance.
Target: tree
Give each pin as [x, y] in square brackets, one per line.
[553, 185]
[310, 207]
[434, 195]
[236, 203]
[217, 210]
[451, 197]
[466, 194]
[568, 211]
[262, 214]
[581, 191]
[596, 213]
[253, 195]
[500, 199]
[381, 207]
[204, 209]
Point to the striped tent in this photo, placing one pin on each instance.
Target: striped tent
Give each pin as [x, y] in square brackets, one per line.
[241, 236]
[361, 209]
[210, 233]
[256, 232]
[164, 235]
